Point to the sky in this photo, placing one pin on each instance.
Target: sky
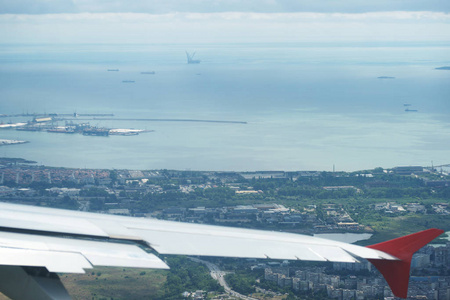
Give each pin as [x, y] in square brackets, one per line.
[214, 6]
[223, 21]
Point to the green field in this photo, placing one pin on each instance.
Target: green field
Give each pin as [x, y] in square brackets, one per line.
[386, 227]
[115, 283]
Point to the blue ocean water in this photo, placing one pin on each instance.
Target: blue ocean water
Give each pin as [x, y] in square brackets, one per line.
[307, 107]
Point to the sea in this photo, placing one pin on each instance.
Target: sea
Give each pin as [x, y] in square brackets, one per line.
[292, 106]
[346, 237]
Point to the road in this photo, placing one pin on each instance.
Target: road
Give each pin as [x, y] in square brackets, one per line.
[219, 275]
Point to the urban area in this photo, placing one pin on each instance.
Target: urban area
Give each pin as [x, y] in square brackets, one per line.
[370, 205]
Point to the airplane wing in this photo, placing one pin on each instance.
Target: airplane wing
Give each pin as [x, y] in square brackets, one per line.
[45, 241]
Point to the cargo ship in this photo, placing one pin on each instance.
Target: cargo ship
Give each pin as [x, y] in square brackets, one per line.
[94, 131]
[62, 130]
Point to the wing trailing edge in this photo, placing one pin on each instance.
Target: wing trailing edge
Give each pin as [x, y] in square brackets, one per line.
[396, 272]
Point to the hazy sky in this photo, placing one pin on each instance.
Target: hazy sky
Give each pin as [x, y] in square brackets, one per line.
[208, 6]
[213, 21]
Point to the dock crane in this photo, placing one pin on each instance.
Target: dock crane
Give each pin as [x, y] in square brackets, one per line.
[190, 58]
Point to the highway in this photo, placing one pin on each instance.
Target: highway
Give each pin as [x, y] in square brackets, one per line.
[219, 275]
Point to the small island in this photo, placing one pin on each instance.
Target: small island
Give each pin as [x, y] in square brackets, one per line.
[443, 68]
[386, 77]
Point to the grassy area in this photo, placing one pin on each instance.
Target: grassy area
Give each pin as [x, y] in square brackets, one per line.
[115, 283]
[387, 227]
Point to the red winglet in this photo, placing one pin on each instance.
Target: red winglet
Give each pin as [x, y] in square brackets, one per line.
[396, 272]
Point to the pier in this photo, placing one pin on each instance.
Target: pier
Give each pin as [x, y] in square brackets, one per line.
[158, 120]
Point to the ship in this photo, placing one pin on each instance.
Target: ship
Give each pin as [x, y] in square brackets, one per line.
[190, 58]
[29, 128]
[407, 105]
[61, 130]
[96, 131]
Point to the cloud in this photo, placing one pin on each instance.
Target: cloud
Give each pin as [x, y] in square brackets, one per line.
[225, 27]
[230, 17]
[37, 6]
[210, 6]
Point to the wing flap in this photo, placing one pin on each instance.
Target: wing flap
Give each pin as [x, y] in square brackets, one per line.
[53, 261]
[239, 244]
[72, 255]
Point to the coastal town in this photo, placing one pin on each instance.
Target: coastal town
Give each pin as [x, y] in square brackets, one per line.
[370, 204]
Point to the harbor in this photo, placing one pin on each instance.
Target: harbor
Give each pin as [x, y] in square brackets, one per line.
[79, 123]
[51, 123]
[81, 128]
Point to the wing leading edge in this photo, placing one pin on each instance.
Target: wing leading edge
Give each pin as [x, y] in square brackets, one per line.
[71, 241]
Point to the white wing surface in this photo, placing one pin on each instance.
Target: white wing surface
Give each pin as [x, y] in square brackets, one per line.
[179, 238]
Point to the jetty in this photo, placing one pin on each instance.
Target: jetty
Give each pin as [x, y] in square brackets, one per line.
[163, 120]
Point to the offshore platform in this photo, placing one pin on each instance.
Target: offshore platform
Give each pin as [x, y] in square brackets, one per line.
[190, 58]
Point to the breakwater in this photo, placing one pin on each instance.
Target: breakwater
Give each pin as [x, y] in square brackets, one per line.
[158, 120]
